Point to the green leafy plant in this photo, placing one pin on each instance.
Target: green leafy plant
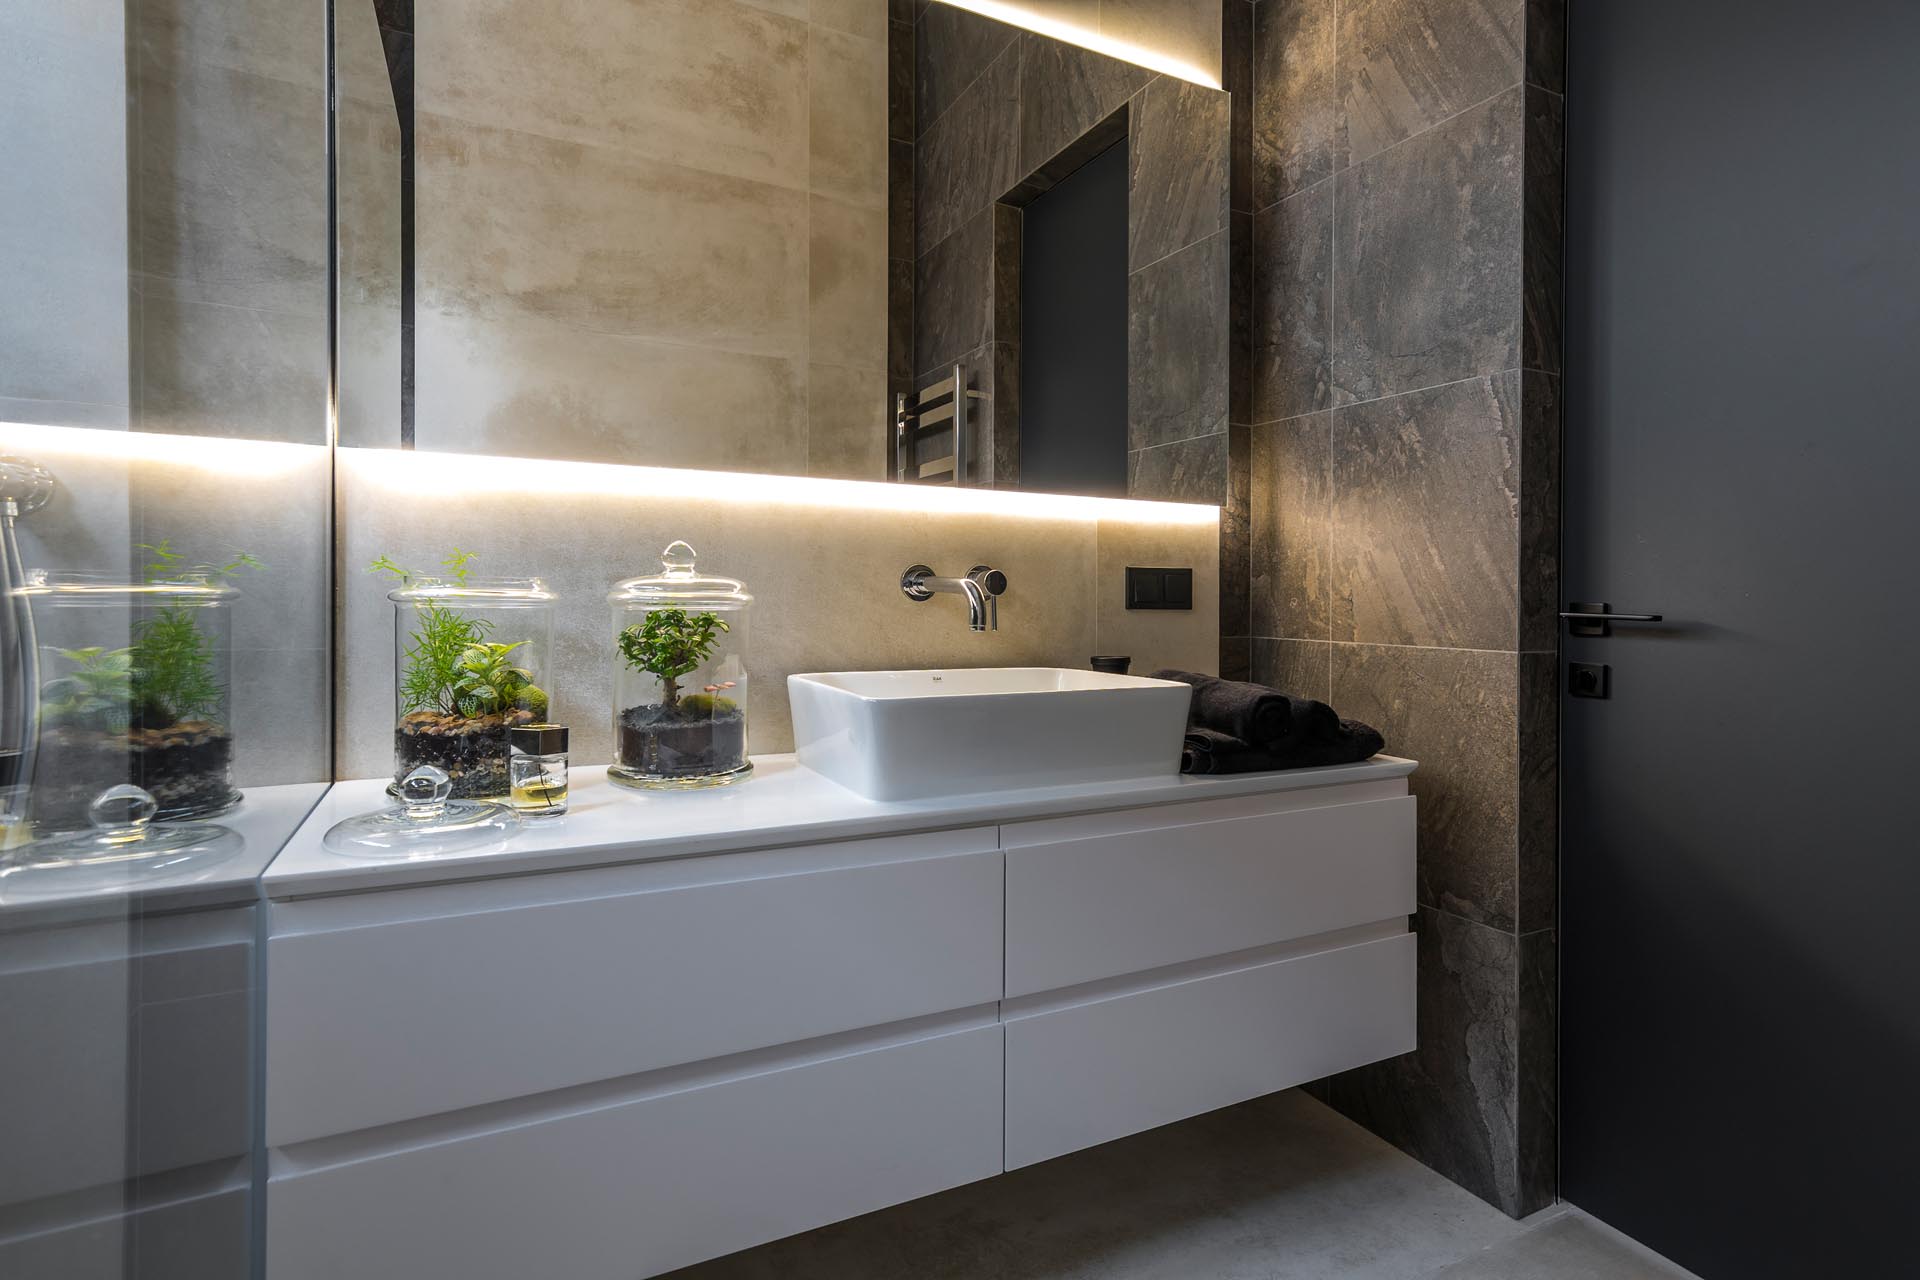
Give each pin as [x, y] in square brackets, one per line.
[451, 667]
[173, 666]
[669, 643]
[97, 694]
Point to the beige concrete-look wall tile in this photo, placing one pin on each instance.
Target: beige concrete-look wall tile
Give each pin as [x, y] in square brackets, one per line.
[1188, 30]
[825, 582]
[209, 370]
[710, 84]
[532, 389]
[847, 117]
[855, 17]
[369, 408]
[282, 39]
[847, 285]
[513, 225]
[359, 56]
[1157, 638]
[230, 202]
[63, 149]
[847, 423]
[63, 340]
[367, 188]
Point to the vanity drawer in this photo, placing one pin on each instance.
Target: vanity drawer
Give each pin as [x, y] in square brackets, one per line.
[1092, 1072]
[1096, 897]
[388, 1006]
[623, 1189]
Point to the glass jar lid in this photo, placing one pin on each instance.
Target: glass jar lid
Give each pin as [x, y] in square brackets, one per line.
[678, 583]
[427, 823]
[99, 588]
[491, 593]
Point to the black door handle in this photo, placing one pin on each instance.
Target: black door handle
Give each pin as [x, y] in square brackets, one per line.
[1595, 619]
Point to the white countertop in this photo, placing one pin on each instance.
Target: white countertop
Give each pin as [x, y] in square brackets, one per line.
[265, 819]
[781, 804]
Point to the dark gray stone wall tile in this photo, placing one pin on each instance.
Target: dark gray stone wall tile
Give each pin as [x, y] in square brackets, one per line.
[966, 159]
[1240, 282]
[1236, 77]
[1538, 787]
[1292, 318]
[1540, 420]
[1064, 92]
[900, 200]
[997, 459]
[1537, 1102]
[1296, 105]
[899, 321]
[1543, 269]
[1178, 151]
[1190, 471]
[1302, 667]
[900, 82]
[1289, 532]
[1547, 44]
[1236, 534]
[1406, 65]
[952, 294]
[1455, 711]
[1426, 517]
[952, 47]
[1427, 257]
[1236, 658]
[1007, 242]
[1451, 1103]
[1177, 347]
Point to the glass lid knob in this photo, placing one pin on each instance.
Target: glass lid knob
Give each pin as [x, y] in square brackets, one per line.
[121, 813]
[424, 792]
[677, 560]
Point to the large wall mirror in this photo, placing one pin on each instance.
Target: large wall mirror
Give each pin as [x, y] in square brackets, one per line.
[765, 236]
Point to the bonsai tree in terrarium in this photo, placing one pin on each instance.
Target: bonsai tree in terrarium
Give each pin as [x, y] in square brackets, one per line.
[684, 734]
[459, 689]
[153, 713]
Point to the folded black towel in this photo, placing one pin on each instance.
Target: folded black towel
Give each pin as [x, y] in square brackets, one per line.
[1210, 751]
[1258, 716]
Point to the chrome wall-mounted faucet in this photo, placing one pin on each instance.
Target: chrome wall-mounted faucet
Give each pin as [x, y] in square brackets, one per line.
[982, 587]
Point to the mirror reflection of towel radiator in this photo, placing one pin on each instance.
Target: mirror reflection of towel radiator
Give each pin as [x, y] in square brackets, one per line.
[942, 409]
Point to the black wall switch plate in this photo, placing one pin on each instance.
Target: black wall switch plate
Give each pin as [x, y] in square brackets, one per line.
[1587, 679]
[1159, 588]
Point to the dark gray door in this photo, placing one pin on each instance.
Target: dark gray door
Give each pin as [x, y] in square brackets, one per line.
[1740, 960]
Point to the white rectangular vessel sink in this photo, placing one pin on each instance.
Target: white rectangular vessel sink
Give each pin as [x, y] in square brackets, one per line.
[911, 735]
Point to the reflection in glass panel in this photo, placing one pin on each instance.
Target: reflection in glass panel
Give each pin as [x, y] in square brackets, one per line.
[164, 702]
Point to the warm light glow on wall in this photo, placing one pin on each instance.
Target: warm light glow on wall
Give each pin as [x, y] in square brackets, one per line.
[206, 453]
[419, 471]
[1015, 15]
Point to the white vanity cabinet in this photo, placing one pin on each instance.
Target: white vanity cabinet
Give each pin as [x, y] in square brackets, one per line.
[639, 1064]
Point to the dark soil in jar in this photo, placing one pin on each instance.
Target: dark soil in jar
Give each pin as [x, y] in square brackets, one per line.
[472, 749]
[185, 767]
[678, 742]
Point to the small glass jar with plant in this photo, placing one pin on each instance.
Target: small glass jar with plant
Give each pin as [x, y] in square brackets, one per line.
[680, 677]
[470, 663]
[136, 687]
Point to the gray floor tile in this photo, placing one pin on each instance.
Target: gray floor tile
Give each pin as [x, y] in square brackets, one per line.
[1276, 1189]
[1569, 1245]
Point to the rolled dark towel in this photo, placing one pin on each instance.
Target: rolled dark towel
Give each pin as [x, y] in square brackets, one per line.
[1210, 751]
[1253, 713]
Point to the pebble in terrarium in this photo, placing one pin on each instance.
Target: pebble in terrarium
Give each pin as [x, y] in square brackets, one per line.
[680, 677]
[469, 664]
[153, 712]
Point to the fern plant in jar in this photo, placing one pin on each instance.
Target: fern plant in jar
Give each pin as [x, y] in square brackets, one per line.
[680, 677]
[470, 663]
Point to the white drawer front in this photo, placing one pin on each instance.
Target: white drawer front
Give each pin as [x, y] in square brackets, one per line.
[1089, 1073]
[394, 1006]
[639, 1188]
[1121, 901]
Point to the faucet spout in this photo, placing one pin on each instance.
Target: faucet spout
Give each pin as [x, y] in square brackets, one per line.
[983, 614]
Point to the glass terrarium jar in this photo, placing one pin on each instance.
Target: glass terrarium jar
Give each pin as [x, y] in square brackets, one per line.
[679, 677]
[135, 689]
[471, 661]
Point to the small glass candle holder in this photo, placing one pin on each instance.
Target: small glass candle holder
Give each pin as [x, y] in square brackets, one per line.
[537, 769]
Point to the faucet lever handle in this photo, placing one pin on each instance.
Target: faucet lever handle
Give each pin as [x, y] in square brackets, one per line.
[991, 580]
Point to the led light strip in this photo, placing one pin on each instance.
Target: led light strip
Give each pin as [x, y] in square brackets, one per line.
[419, 472]
[1015, 15]
[208, 453]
